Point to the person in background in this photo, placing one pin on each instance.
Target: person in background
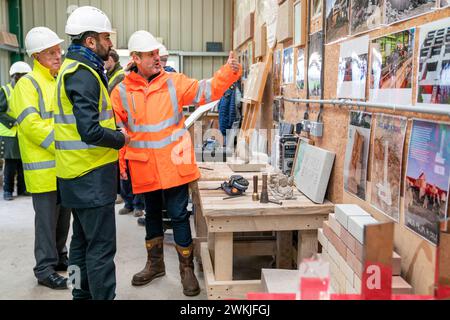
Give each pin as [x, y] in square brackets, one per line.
[9, 144]
[32, 107]
[87, 144]
[115, 74]
[114, 70]
[164, 56]
[160, 157]
[133, 203]
[228, 109]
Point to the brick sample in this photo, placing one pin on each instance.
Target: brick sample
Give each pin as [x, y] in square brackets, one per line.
[344, 211]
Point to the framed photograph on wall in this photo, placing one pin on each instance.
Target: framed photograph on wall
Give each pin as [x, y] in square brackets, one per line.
[288, 66]
[427, 178]
[387, 160]
[391, 74]
[399, 10]
[300, 67]
[338, 19]
[365, 15]
[315, 65]
[300, 23]
[357, 154]
[352, 69]
[315, 16]
[276, 71]
[434, 65]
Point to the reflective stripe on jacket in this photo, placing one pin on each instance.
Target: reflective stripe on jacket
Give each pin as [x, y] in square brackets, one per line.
[161, 153]
[74, 158]
[32, 106]
[4, 131]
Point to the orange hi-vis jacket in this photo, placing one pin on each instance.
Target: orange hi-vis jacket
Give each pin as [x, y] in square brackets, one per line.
[161, 154]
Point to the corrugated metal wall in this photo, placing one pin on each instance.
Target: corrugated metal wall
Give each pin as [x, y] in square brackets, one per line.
[4, 55]
[184, 25]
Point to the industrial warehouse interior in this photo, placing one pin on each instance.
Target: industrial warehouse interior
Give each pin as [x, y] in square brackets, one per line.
[228, 150]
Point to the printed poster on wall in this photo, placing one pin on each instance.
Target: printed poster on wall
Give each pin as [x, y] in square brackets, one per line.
[366, 15]
[288, 66]
[434, 64]
[387, 158]
[300, 75]
[398, 10]
[276, 72]
[315, 64]
[338, 19]
[427, 178]
[392, 68]
[357, 154]
[352, 69]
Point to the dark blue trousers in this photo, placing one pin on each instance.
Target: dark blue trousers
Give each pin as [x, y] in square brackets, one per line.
[175, 201]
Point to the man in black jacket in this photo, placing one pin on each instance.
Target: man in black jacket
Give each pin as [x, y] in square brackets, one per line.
[87, 167]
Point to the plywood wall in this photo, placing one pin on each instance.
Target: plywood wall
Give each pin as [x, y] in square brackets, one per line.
[419, 256]
[184, 25]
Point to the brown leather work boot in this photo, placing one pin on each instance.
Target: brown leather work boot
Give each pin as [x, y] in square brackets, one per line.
[188, 280]
[154, 267]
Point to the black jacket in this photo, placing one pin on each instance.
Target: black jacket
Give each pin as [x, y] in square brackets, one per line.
[99, 187]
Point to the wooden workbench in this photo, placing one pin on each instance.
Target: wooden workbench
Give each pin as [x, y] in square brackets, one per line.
[217, 172]
[226, 217]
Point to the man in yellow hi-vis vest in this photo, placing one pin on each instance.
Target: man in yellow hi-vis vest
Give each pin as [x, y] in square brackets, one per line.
[87, 144]
[9, 145]
[32, 106]
[114, 70]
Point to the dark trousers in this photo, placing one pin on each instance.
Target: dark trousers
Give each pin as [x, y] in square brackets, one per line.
[92, 252]
[132, 202]
[12, 168]
[52, 222]
[176, 202]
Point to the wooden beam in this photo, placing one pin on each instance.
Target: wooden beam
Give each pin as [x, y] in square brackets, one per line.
[284, 250]
[378, 248]
[220, 290]
[307, 245]
[223, 256]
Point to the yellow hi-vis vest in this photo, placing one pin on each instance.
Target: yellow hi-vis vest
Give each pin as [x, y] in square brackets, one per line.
[116, 75]
[4, 131]
[74, 158]
[32, 107]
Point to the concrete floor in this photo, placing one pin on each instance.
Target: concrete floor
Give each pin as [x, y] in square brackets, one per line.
[17, 280]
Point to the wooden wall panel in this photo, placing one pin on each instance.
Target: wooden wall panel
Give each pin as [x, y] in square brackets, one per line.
[419, 256]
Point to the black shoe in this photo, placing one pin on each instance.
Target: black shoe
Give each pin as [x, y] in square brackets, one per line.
[7, 196]
[62, 267]
[25, 194]
[55, 282]
[141, 222]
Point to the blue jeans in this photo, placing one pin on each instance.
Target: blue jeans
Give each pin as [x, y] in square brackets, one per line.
[132, 202]
[175, 201]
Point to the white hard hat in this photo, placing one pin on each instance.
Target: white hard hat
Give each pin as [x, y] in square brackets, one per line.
[86, 19]
[19, 67]
[143, 41]
[163, 52]
[40, 38]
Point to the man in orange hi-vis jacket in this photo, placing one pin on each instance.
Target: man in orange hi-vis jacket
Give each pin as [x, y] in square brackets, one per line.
[161, 160]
